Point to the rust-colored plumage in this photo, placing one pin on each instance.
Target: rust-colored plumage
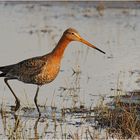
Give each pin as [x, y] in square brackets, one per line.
[42, 69]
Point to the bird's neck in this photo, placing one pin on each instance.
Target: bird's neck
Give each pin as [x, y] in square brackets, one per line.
[58, 51]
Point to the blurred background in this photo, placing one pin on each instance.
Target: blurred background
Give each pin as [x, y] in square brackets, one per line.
[29, 29]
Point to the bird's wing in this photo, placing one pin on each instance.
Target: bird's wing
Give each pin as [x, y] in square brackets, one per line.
[33, 63]
[31, 66]
[27, 68]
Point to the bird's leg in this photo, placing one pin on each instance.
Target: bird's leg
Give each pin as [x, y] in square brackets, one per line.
[17, 100]
[35, 100]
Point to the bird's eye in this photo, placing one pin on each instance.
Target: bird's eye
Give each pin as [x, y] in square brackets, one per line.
[72, 33]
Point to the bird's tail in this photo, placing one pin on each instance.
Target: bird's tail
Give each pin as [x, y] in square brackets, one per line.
[2, 74]
[4, 70]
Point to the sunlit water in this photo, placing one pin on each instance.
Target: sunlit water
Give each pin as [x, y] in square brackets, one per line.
[33, 30]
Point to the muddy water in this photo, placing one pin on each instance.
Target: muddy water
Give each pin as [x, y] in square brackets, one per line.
[28, 30]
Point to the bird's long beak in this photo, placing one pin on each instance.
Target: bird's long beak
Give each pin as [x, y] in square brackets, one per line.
[90, 45]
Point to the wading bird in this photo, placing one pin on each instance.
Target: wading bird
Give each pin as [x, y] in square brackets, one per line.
[42, 69]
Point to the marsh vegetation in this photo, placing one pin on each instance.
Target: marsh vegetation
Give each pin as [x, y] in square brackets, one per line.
[94, 96]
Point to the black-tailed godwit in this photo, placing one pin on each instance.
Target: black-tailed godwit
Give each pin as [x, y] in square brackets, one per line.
[42, 69]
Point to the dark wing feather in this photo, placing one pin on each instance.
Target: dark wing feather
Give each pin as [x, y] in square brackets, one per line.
[31, 66]
[27, 67]
[5, 69]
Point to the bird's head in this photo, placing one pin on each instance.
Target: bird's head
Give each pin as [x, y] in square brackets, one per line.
[72, 35]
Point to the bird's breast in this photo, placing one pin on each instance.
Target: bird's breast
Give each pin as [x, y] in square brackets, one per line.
[48, 73]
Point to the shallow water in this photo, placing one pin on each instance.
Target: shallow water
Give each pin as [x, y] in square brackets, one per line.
[28, 30]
